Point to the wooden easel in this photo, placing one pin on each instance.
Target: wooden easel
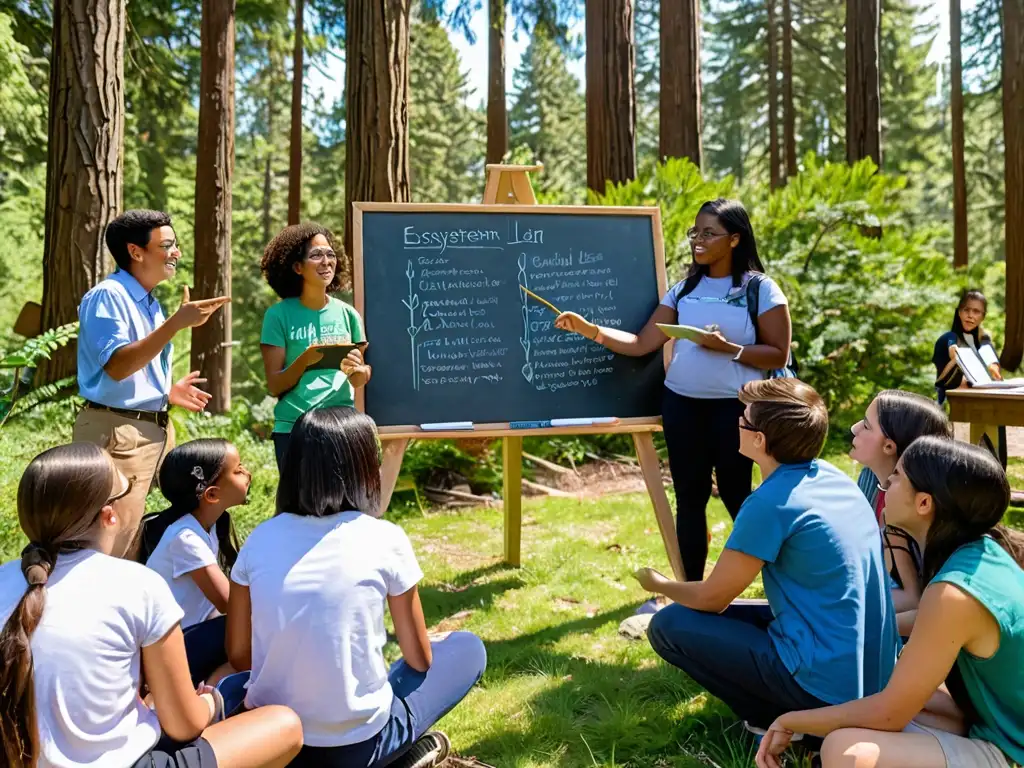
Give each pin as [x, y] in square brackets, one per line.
[510, 185]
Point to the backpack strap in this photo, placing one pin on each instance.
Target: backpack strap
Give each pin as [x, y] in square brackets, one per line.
[754, 300]
[689, 285]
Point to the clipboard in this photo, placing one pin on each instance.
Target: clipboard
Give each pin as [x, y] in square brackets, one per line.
[333, 354]
[688, 332]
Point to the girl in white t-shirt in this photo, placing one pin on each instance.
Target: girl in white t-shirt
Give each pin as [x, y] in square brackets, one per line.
[306, 613]
[81, 628]
[193, 544]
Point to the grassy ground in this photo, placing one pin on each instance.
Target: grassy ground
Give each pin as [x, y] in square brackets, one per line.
[562, 687]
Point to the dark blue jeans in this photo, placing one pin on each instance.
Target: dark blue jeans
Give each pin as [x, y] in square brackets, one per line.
[731, 655]
[421, 699]
[204, 648]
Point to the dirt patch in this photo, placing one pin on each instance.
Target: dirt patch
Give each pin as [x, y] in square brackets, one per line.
[595, 478]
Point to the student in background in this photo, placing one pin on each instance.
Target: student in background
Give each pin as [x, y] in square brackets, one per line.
[193, 545]
[828, 632]
[301, 265]
[124, 353]
[80, 629]
[306, 613]
[966, 333]
[700, 406]
[893, 421]
[969, 631]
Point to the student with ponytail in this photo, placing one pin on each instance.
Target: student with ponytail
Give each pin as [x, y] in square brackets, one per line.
[193, 545]
[80, 627]
[969, 631]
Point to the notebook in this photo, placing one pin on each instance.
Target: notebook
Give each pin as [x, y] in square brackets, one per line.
[976, 372]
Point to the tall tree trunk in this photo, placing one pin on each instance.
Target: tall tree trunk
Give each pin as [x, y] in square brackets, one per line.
[863, 96]
[611, 100]
[679, 95]
[774, 162]
[788, 110]
[215, 161]
[295, 165]
[268, 171]
[1013, 132]
[956, 104]
[85, 159]
[497, 108]
[377, 104]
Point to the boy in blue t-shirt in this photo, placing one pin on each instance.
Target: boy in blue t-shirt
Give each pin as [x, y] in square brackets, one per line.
[828, 633]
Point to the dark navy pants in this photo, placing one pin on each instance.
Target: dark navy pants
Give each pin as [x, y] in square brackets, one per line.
[421, 699]
[731, 655]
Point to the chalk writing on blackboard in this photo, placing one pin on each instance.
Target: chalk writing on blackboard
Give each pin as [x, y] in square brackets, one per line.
[527, 368]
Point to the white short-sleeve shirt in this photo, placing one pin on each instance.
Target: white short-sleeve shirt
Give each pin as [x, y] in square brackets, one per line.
[186, 547]
[703, 373]
[318, 588]
[87, 655]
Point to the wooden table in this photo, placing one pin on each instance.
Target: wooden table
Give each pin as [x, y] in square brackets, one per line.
[986, 410]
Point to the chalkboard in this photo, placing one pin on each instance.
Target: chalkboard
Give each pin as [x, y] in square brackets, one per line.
[452, 336]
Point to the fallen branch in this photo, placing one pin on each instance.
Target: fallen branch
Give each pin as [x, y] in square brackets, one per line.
[459, 495]
[548, 491]
[547, 464]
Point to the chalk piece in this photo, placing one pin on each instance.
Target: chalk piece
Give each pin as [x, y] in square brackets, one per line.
[583, 422]
[443, 426]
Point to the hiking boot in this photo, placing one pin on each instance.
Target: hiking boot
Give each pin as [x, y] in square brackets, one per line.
[431, 749]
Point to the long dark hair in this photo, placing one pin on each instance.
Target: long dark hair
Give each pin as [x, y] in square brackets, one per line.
[60, 497]
[970, 494]
[958, 327]
[332, 465]
[187, 471]
[903, 417]
[733, 216]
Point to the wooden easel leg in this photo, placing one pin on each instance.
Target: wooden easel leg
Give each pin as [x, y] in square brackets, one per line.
[651, 469]
[978, 431]
[512, 464]
[391, 467]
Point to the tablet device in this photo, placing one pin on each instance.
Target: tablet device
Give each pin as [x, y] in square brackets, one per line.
[688, 332]
[333, 354]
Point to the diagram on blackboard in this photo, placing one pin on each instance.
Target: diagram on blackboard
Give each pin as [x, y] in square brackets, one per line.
[413, 303]
[527, 368]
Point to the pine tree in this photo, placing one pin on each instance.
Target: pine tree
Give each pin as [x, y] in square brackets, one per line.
[548, 115]
[446, 141]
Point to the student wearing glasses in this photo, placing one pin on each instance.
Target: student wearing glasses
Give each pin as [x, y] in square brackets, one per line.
[124, 354]
[301, 265]
[700, 404]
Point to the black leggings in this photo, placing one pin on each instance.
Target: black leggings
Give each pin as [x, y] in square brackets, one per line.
[703, 435]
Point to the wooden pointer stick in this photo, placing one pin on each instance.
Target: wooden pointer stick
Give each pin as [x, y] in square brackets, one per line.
[547, 304]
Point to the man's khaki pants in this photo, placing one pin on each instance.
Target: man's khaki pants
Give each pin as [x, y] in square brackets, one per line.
[138, 448]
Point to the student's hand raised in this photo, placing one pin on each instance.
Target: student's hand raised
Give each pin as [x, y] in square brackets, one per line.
[773, 744]
[192, 314]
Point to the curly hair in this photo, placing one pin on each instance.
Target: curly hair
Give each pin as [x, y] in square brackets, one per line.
[289, 248]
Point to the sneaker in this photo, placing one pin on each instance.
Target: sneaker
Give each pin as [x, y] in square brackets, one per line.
[431, 749]
[635, 627]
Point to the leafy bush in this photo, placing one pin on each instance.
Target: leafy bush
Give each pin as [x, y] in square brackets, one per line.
[18, 397]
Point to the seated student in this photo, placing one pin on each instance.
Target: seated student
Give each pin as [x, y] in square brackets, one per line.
[193, 545]
[306, 613]
[969, 631]
[894, 420]
[81, 628]
[828, 633]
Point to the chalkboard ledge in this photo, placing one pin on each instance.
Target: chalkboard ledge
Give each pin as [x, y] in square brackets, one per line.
[502, 429]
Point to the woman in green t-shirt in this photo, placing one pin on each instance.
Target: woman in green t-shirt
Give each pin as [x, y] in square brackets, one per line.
[969, 632]
[301, 265]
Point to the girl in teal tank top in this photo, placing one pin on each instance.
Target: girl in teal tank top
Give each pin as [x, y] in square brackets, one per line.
[969, 631]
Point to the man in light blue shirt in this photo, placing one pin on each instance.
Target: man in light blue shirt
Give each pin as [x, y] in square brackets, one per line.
[124, 354]
[828, 632]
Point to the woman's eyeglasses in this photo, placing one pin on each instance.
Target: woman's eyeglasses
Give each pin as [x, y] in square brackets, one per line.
[320, 254]
[122, 494]
[693, 234]
[744, 424]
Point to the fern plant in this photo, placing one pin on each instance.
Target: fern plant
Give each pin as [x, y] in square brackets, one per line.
[15, 400]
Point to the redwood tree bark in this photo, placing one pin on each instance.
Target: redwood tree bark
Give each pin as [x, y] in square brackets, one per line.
[497, 108]
[85, 166]
[863, 97]
[377, 104]
[774, 162]
[295, 164]
[611, 99]
[788, 111]
[1013, 132]
[215, 161]
[956, 105]
[680, 101]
